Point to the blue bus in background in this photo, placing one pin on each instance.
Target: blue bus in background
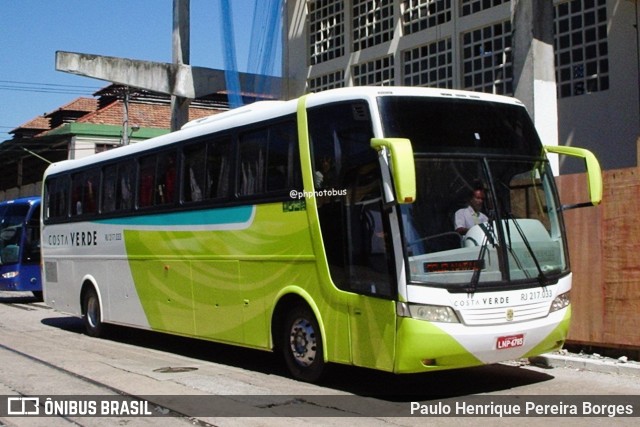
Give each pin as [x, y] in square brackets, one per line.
[20, 246]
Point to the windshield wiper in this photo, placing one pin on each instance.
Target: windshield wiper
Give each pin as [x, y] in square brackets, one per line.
[542, 278]
[488, 238]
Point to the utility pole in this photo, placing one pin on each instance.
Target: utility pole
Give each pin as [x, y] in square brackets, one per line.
[181, 53]
[125, 121]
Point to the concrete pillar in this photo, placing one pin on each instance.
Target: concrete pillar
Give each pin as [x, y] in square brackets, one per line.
[533, 65]
[181, 53]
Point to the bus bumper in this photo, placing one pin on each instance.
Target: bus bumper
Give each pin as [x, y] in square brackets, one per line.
[24, 280]
[426, 346]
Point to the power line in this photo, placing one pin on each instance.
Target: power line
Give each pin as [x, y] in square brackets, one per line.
[44, 90]
[41, 87]
[21, 86]
[47, 84]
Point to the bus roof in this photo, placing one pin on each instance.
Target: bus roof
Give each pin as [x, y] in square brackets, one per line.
[256, 106]
[29, 200]
[265, 110]
[372, 92]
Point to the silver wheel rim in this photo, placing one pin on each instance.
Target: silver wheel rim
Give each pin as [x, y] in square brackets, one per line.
[303, 342]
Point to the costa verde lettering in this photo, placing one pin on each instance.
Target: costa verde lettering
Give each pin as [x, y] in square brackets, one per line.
[84, 238]
[502, 300]
[74, 238]
[58, 240]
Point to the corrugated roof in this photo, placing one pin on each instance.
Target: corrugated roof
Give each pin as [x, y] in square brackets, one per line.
[85, 110]
[81, 104]
[141, 114]
[40, 122]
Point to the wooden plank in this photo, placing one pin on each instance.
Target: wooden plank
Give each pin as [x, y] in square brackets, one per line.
[621, 257]
[604, 247]
[585, 255]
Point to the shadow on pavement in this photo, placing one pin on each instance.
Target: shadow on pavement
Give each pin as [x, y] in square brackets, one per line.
[358, 381]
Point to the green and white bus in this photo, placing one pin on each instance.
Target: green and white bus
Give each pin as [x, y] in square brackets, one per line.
[323, 228]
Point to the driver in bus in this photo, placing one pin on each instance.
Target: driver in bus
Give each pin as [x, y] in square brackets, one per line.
[471, 215]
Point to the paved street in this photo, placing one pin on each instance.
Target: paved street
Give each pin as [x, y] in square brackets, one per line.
[45, 353]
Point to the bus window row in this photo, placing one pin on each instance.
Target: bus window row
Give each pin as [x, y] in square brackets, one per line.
[256, 164]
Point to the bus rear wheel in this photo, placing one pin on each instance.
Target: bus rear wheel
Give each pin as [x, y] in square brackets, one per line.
[91, 314]
[302, 345]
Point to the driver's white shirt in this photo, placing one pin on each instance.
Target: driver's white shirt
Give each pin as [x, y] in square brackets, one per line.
[467, 218]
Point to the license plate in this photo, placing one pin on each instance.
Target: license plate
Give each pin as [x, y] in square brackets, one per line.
[510, 341]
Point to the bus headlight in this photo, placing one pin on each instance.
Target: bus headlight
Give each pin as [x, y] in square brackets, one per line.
[430, 313]
[561, 301]
[10, 275]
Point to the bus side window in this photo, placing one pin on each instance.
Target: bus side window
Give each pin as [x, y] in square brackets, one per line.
[206, 170]
[84, 187]
[31, 252]
[253, 153]
[282, 151]
[76, 194]
[158, 180]
[194, 178]
[124, 186]
[218, 168]
[90, 191]
[146, 184]
[109, 188]
[267, 159]
[166, 179]
[56, 198]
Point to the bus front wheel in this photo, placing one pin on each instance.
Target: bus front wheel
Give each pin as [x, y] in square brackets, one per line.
[91, 314]
[302, 345]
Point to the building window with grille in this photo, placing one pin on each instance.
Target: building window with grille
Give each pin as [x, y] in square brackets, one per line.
[378, 72]
[487, 64]
[326, 30]
[418, 15]
[581, 47]
[326, 81]
[470, 7]
[372, 23]
[429, 65]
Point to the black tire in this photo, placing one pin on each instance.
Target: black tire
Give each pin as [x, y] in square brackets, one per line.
[302, 345]
[37, 295]
[92, 314]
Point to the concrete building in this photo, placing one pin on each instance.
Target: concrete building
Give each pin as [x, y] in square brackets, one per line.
[468, 44]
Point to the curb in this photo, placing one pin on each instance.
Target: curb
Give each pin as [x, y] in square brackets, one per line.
[587, 363]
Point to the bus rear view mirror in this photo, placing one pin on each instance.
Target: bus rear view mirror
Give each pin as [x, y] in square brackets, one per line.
[403, 168]
[594, 173]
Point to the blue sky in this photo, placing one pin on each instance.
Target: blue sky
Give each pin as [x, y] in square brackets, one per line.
[31, 31]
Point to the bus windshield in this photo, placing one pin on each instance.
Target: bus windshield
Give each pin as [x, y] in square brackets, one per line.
[486, 212]
[11, 224]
